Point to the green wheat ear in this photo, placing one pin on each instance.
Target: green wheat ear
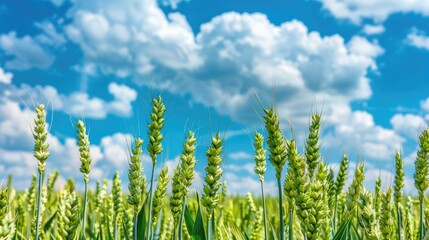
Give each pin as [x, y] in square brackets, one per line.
[159, 195]
[386, 222]
[355, 189]
[276, 141]
[135, 176]
[342, 175]
[260, 155]
[213, 174]
[312, 147]
[188, 162]
[40, 136]
[176, 199]
[84, 150]
[422, 164]
[155, 136]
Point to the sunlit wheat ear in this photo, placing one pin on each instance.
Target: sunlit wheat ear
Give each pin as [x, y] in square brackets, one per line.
[188, 162]
[421, 175]
[176, 199]
[135, 171]
[155, 136]
[367, 219]
[117, 198]
[276, 141]
[3, 204]
[84, 150]
[355, 190]
[159, 195]
[342, 175]
[377, 198]
[7, 222]
[68, 215]
[40, 135]
[312, 146]
[128, 220]
[213, 174]
[409, 219]
[386, 222]
[260, 156]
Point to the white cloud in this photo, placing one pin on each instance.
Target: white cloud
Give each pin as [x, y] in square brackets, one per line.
[227, 60]
[356, 131]
[172, 3]
[123, 96]
[408, 124]
[248, 168]
[369, 29]
[79, 103]
[376, 10]
[132, 37]
[26, 52]
[5, 77]
[232, 57]
[50, 35]
[239, 155]
[15, 126]
[418, 39]
[57, 2]
[242, 185]
[424, 105]
[361, 46]
[116, 149]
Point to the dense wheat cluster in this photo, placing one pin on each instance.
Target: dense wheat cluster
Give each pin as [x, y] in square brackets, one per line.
[313, 201]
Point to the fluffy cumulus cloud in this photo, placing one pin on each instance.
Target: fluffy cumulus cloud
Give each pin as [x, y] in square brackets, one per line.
[369, 29]
[26, 52]
[172, 3]
[425, 104]
[132, 37]
[408, 124]
[418, 39]
[79, 103]
[377, 10]
[356, 131]
[227, 60]
[5, 77]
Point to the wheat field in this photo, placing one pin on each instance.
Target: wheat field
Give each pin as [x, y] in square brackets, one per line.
[312, 202]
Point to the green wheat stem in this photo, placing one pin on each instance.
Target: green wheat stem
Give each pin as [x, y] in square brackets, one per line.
[39, 200]
[182, 214]
[291, 223]
[282, 227]
[85, 201]
[398, 212]
[210, 235]
[150, 202]
[421, 228]
[135, 227]
[264, 208]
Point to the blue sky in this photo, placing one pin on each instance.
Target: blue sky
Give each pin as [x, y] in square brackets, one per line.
[363, 64]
